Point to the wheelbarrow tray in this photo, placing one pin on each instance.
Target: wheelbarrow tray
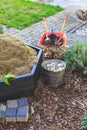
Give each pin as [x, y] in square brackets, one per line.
[57, 34]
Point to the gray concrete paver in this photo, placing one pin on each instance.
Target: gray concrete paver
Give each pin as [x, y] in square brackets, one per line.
[33, 33]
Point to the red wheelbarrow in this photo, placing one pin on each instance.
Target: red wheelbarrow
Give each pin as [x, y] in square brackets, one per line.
[53, 42]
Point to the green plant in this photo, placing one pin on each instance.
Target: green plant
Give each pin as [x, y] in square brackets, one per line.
[7, 77]
[52, 128]
[1, 30]
[84, 123]
[76, 58]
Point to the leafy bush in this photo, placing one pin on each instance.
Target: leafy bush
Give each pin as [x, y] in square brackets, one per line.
[76, 58]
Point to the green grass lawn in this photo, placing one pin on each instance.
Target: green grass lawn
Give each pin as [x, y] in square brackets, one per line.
[22, 13]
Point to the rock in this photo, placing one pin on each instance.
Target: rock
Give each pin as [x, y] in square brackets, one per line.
[2, 113]
[31, 110]
[81, 14]
[54, 66]
[31, 128]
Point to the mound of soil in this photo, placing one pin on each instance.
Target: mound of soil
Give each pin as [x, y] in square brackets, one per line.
[52, 40]
[15, 56]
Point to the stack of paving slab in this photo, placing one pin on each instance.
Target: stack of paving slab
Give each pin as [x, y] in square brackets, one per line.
[15, 111]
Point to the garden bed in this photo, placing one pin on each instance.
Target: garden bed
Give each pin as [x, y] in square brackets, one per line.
[22, 85]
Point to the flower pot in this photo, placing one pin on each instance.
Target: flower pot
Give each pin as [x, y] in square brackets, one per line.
[53, 72]
[22, 85]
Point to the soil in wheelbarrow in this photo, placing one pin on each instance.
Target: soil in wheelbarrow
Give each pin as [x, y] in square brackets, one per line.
[15, 56]
[52, 40]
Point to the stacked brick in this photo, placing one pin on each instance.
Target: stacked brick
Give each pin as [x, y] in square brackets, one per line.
[16, 111]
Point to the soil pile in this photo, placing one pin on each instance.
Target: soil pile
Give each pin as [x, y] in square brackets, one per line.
[52, 40]
[15, 56]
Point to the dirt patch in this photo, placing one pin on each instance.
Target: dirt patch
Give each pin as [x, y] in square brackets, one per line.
[15, 56]
[52, 40]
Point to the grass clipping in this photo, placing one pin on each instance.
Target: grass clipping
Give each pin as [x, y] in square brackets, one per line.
[15, 56]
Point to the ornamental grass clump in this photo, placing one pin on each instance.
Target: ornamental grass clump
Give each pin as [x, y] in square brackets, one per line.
[15, 56]
[76, 58]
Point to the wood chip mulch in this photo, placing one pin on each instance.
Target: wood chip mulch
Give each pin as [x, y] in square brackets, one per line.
[56, 108]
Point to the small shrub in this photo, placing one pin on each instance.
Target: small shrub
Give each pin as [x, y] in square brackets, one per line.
[76, 58]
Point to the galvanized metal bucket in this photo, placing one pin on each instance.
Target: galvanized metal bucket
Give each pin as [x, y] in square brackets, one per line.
[53, 77]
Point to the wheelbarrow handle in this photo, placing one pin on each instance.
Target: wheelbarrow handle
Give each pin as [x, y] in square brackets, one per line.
[65, 19]
[45, 23]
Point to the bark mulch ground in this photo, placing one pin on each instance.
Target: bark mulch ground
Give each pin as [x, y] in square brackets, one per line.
[56, 108]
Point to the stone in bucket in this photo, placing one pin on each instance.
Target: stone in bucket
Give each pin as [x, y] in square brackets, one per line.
[53, 72]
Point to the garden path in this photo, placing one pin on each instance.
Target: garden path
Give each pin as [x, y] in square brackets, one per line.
[67, 4]
[32, 34]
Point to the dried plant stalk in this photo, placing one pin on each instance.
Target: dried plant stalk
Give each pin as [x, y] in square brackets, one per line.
[15, 56]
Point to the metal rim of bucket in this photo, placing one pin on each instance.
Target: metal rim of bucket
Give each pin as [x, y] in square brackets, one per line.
[53, 60]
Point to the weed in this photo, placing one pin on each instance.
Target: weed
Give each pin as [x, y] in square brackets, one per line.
[84, 123]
